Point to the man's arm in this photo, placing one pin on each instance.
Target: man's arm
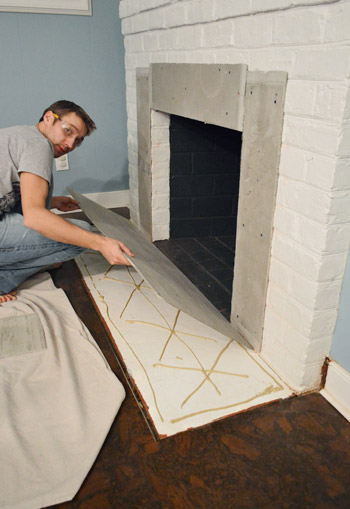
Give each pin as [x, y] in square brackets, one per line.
[34, 191]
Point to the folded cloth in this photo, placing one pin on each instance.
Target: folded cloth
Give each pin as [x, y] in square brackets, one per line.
[56, 405]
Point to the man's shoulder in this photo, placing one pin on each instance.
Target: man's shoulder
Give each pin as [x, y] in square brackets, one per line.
[21, 131]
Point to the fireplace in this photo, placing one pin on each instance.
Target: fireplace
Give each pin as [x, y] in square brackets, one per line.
[227, 97]
[311, 221]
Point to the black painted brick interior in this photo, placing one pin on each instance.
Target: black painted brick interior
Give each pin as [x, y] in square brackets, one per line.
[204, 178]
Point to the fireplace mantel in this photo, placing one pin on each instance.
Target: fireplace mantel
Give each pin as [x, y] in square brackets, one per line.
[230, 96]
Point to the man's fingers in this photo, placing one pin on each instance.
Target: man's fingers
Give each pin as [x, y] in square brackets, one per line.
[126, 249]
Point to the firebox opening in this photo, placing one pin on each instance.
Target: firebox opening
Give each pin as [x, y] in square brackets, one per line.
[204, 188]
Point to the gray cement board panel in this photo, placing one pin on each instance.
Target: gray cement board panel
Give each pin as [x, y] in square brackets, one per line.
[165, 279]
[210, 93]
[262, 133]
[21, 335]
[144, 151]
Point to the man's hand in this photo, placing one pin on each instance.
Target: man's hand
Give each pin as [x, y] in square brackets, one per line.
[113, 250]
[64, 203]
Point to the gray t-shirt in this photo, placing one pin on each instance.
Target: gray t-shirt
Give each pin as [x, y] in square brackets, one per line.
[22, 148]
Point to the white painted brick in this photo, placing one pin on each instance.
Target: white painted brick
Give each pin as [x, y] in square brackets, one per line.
[131, 111]
[133, 172]
[133, 43]
[158, 57]
[160, 135]
[293, 163]
[159, 3]
[181, 57]
[320, 171]
[253, 32]
[200, 11]
[326, 63]
[132, 127]
[160, 202]
[175, 15]
[160, 185]
[308, 323]
[306, 200]
[330, 101]
[156, 19]
[311, 2]
[218, 34]
[347, 107]
[161, 217]
[167, 39]
[130, 78]
[144, 5]
[342, 174]
[271, 5]
[301, 347]
[130, 61]
[122, 8]
[231, 56]
[128, 8]
[229, 9]
[287, 221]
[127, 26]
[294, 372]
[161, 153]
[337, 26]
[188, 37]
[142, 59]
[301, 26]
[307, 262]
[277, 59]
[133, 157]
[141, 22]
[160, 232]
[318, 296]
[134, 217]
[313, 135]
[340, 207]
[201, 57]
[150, 41]
[159, 119]
[337, 237]
[133, 199]
[131, 95]
[344, 142]
[160, 169]
[309, 233]
[132, 142]
[300, 97]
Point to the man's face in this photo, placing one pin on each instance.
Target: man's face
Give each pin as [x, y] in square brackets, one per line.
[65, 133]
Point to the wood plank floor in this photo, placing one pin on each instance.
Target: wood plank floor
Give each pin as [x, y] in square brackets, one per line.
[289, 454]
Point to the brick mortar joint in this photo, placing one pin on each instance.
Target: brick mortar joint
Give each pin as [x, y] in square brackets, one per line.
[248, 13]
[322, 256]
[312, 340]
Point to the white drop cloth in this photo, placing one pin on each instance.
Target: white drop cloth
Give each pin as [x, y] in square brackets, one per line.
[56, 405]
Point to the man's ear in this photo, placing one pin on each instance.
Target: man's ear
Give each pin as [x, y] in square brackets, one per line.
[49, 118]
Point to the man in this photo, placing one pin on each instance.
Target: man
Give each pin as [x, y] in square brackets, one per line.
[31, 236]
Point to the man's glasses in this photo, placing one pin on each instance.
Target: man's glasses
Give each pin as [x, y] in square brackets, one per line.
[69, 131]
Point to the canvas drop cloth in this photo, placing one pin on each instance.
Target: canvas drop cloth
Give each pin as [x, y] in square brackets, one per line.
[56, 404]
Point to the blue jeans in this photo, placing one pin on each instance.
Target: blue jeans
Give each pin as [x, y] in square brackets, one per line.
[24, 252]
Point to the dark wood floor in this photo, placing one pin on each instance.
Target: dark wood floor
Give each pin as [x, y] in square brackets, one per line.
[289, 454]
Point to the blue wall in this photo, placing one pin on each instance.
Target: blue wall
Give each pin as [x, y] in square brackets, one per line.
[44, 58]
[340, 350]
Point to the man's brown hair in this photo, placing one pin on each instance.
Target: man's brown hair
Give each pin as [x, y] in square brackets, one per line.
[63, 107]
